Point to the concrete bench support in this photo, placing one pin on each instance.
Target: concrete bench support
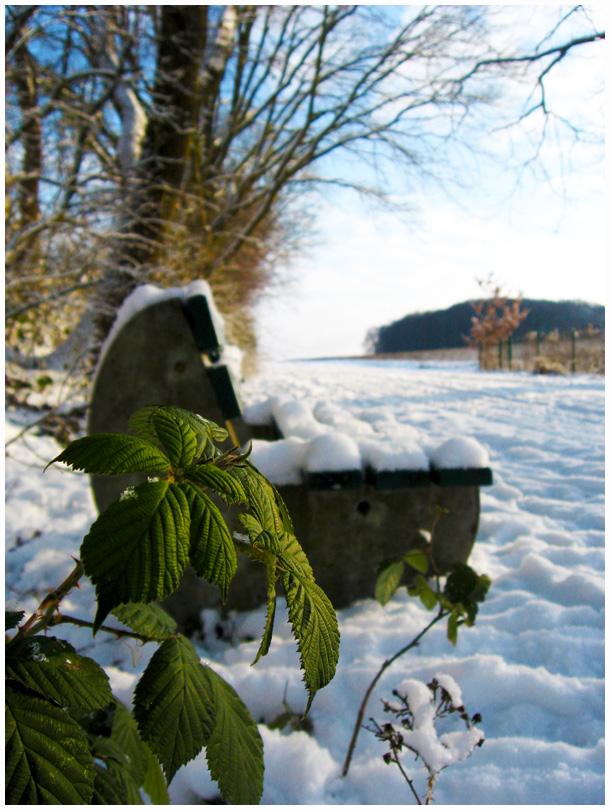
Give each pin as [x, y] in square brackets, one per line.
[347, 523]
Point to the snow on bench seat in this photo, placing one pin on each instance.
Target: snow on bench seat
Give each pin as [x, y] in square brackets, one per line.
[326, 447]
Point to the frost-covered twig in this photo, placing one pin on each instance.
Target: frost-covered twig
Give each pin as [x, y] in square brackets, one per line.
[421, 705]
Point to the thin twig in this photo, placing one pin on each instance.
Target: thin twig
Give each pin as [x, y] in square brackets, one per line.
[386, 664]
[40, 419]
[406, 776]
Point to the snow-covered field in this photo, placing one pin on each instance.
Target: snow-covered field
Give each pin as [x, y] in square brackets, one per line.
[533, 665]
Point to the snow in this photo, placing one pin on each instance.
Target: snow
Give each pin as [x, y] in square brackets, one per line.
[460, 453]
[333, 453]
[437, 752]
[338, 440]
[148, 294]
[281, 461]
[533, 664]
[386, 456]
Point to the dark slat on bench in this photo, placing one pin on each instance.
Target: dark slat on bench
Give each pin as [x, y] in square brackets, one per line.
[199, 317]
[398, 479]
[474, 477]
[346, 479]
[220, 377]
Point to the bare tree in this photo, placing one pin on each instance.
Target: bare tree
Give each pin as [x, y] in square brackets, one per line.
[159, 142]
[496, 318]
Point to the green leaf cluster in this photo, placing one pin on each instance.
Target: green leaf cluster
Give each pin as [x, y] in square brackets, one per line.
[68, 739]
[459, 599]
[463, 591]
[391, 572]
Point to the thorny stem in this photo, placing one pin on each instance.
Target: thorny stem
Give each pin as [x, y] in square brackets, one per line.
[429, 792]
[388, 663]
[47, 614]
[43, 615]
[63, 619]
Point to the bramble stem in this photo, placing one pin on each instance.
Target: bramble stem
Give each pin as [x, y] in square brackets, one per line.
[43, 615]
[63, 619]
[388, 663]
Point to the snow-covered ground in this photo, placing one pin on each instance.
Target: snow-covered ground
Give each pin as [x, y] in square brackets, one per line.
[533, 665]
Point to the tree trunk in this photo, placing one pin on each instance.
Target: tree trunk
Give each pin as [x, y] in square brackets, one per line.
[176, 100]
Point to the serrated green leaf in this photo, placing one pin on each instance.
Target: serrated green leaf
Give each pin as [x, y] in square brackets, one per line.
[219, 481]
[260, 497]
[154, 783]
[137, 549]
[54, 670]
[47, 755]
[141, 423]
[266, 497]
[388, 580]
[174, 705]
[128, 785]
[452, 628]
[259, 538]
[292, 557]
[285, 518]
[130, 762]
[206, 449]
[12, 618]
[270, 576]
[113, 454]
[314, 625]
[250, 524]
[147, 619]
[126, 737]
[178, 439]
[199, 424]
[114, 782]
[417, 559]
[212, 551]
[107, 788]
[420, 587]
[234, 752]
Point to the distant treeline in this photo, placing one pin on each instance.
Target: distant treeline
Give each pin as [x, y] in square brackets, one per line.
[447, 328]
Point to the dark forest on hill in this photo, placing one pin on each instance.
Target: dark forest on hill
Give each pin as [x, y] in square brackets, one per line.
[447, 328]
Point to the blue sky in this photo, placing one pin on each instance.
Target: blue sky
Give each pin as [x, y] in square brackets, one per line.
[541, 235]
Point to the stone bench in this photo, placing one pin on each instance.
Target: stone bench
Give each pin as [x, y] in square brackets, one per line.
[167, 348]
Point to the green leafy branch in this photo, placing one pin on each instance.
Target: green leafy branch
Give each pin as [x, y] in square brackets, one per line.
[458, 601]
[64, 744]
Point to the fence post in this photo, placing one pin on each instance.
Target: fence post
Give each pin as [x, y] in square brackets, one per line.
[510, 352]
[573, 350]
[500, 352]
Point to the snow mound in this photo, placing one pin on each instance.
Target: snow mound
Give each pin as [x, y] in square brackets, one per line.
[333, 452]
[460, 453]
